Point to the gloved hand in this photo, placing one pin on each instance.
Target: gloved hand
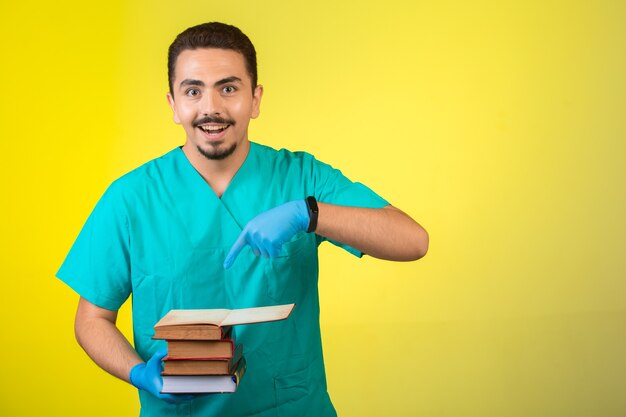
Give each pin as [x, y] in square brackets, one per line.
[147, 376]
[268, 231]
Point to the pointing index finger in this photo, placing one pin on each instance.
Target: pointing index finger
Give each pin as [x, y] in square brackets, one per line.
[240, 243]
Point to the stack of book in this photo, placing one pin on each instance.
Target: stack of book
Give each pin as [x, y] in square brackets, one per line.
[203, 355]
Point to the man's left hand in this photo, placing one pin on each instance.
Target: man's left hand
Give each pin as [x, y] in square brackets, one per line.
[268, 231]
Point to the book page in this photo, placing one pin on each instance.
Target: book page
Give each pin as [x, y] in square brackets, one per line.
[199, 316]
[258, 314]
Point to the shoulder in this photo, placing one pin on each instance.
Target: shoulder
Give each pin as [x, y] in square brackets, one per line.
[286, 158]
[280, 154]
[142, 178]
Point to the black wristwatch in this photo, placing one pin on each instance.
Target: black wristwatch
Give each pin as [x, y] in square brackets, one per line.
[311, 205]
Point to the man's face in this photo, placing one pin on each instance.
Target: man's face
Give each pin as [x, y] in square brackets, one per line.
[213, 100]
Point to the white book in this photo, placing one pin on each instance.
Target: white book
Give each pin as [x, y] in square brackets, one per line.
[190, 384]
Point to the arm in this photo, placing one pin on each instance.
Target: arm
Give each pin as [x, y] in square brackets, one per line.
[98, 335]
[386, 233]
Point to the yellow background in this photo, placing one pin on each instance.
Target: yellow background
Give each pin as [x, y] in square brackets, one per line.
[499, 126]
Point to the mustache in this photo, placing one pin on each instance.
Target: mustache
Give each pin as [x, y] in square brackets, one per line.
[212, 119]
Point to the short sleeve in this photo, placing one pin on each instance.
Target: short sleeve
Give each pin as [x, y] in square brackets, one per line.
[97, 266]
[335, 188]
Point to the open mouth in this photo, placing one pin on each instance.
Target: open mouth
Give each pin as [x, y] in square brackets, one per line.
[214, 129]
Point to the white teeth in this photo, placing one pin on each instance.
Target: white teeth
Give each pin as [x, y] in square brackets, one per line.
[213, 128]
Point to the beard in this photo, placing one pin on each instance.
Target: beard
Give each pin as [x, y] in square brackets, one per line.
[214, 153]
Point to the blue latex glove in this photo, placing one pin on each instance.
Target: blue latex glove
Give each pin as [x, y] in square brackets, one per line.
[147, 376]
[268, 231]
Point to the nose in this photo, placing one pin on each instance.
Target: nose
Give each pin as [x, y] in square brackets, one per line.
[212, 103]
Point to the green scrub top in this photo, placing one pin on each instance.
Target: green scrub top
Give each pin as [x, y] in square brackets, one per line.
[161, 234]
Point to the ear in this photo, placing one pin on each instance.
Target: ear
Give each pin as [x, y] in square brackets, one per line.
[170, 100]
[256, 101]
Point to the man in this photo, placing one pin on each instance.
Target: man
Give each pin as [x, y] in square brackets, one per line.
[224, 223]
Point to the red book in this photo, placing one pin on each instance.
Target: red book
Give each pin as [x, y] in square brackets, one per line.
[201, 366]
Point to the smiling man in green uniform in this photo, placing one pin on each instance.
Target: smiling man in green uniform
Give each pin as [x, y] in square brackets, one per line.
[222, 222]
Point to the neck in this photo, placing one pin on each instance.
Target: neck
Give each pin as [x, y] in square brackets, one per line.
[217, 172]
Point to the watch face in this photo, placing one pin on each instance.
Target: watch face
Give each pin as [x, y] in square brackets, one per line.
[311, 202]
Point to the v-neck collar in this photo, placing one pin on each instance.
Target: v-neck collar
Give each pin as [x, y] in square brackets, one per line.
[201, 182]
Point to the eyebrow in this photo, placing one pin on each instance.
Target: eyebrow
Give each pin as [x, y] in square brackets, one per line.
[191, 82]
[200, 83]
[227, 80]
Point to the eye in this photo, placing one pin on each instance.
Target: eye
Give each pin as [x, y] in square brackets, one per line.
[192, 92]
[229, 89]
